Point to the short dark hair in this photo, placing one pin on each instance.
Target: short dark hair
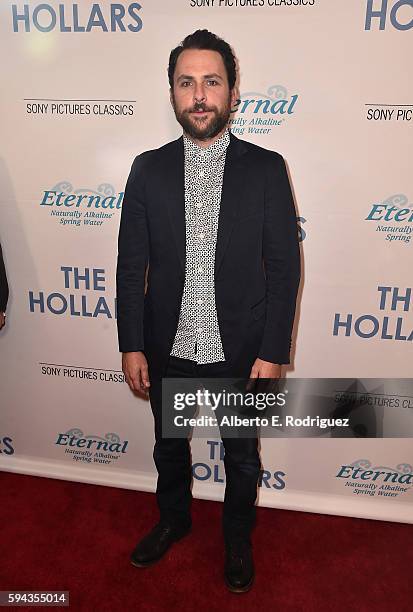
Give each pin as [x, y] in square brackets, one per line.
[203, 39]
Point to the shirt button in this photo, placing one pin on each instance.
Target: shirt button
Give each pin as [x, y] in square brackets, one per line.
[199, 329]
[200, 204]
[200, 301]
[200, 269]
[202, 235]
[201, 173]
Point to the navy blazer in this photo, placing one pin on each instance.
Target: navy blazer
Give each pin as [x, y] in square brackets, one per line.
[257, 258]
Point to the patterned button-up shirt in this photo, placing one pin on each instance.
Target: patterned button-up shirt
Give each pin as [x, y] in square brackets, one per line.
[197, 336]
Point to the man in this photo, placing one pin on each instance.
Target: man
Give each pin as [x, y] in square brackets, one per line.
[214, 218]
[4, 291]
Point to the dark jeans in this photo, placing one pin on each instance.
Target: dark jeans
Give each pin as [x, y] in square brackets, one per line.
[173, 461]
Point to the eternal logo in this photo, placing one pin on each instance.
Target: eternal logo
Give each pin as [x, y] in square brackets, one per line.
[394, 218]
[259, 113]
[85, 447]
[69, 18]
[379, 10]
[364, 479]
[82, 206]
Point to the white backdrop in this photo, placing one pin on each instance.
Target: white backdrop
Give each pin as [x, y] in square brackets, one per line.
[78, 105]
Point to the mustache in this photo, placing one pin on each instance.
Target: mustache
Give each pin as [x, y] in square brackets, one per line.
[201, 107]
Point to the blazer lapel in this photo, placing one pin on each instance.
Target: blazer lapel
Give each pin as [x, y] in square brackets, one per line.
[174, 176]
[232, 189]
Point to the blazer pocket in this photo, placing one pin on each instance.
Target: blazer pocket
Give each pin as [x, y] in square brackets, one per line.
[258, 310]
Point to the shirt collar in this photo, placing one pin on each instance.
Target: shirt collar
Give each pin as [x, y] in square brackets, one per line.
[213, 152]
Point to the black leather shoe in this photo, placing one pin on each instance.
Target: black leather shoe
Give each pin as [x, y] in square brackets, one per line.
[239, 567]
[155, 544]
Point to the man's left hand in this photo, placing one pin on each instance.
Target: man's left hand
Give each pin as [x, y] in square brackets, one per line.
[264, 369]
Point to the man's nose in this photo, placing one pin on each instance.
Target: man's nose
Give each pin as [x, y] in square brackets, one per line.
[199, 93]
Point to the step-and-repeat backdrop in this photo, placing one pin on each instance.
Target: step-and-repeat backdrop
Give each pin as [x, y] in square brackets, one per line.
[324, 82]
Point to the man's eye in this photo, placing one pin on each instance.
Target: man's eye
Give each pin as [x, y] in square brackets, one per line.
[212, 82]
[185, 83]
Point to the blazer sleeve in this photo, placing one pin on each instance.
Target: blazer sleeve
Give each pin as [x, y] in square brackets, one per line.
[4, 287]
[133, 255]
[281, 256]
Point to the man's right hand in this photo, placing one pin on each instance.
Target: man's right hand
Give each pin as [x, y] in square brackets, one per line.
[135, 368]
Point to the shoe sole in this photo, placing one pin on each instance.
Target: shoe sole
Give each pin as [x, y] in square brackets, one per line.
[243, 589]
[150, 563]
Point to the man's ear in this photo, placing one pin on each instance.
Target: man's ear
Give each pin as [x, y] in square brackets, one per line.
[171, 95]
[234, 96]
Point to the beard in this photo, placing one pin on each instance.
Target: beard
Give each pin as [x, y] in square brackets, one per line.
[203, 128]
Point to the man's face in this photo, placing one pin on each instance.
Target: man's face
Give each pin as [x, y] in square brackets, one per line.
[201, 97]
